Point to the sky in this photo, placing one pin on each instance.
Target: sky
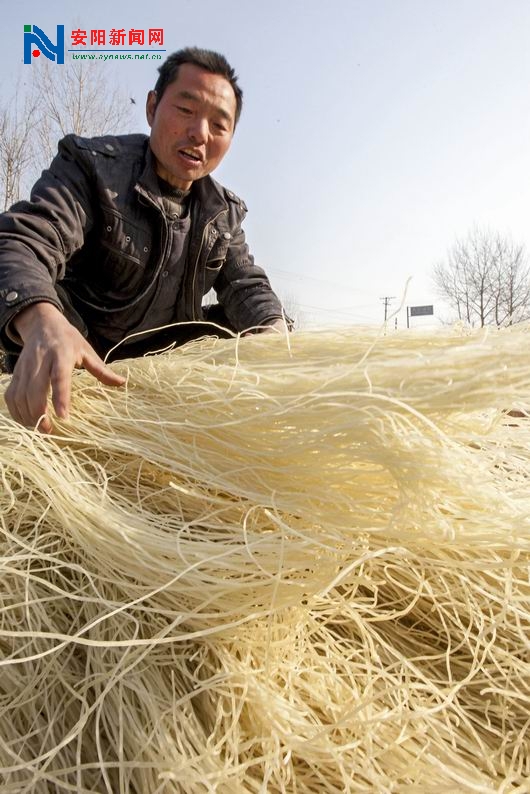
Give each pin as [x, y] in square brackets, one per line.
[373, 134]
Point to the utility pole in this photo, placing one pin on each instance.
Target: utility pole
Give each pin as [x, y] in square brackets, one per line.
[387, 304]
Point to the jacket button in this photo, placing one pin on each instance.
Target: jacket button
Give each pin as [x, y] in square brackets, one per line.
[165, 274]
[11, 296]
[109, 147]
[226, 235]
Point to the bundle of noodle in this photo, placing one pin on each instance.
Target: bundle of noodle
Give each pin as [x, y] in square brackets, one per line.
[271, 565]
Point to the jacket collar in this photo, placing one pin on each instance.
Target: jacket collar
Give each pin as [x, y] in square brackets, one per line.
[206, 191]
[210, 196]
[148, 180]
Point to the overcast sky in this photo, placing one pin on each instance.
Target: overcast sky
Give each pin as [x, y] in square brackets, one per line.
[373, 131]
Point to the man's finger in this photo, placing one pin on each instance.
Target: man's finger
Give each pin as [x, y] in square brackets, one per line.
[11, 401]
[61, 383]
[27, 393]
[97, 368]
[61, 380]
[44, 425]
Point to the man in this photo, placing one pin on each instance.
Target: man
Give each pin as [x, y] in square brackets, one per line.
[126, 234]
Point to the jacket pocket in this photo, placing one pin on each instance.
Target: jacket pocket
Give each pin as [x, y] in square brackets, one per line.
[121, 271]
[214, 263]
[217, 254]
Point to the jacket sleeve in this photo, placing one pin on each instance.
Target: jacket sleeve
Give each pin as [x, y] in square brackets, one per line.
[242, 288]
[37, 237]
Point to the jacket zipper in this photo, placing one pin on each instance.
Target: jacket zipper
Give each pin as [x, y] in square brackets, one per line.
[194, 283]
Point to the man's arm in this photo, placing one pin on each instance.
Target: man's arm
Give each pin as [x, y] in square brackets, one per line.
[37, 238]
[244, 290]
[51, 350]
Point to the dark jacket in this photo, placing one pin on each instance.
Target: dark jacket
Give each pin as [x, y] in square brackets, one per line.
[94, 241]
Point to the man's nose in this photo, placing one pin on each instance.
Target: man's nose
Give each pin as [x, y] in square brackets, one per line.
[198, 130]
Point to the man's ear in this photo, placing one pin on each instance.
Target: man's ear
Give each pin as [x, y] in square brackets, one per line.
[150, 107]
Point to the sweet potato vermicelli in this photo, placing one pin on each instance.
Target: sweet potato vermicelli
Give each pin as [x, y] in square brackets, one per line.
[271, 566]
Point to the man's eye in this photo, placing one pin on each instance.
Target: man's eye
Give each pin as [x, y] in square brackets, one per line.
[220, 126]
[183, 109]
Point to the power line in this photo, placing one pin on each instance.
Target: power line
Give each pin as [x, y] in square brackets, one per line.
[287, 274]
[349, 313]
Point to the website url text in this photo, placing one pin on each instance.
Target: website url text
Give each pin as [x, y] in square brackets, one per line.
[103, 56]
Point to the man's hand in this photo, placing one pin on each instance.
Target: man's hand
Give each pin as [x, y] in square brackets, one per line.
[52, 348]
[275, 325]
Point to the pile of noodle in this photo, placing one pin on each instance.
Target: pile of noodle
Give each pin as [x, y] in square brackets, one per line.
[273, 564]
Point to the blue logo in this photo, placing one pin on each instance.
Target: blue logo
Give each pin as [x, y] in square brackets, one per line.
[35, 36]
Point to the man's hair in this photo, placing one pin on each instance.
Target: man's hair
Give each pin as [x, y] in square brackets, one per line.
[209, 60]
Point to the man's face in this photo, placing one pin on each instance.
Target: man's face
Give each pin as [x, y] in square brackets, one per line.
[192, 125]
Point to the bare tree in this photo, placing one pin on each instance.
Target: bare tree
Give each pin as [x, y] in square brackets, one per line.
[78, 98]
[16, 149]
[485, 279]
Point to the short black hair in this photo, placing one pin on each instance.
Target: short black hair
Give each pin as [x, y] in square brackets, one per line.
[209, 60]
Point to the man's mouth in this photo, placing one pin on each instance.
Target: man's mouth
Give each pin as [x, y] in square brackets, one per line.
[190, 155]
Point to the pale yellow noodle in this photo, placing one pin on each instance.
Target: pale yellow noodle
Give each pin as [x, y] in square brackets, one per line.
[274, 565]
